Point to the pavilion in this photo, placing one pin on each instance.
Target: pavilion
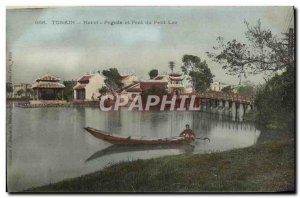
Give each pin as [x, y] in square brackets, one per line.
[47, 89]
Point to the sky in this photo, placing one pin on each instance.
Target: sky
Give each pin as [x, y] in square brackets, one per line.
[71, 50]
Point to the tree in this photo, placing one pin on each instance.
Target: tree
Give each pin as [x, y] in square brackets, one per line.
[275, 102]
[226, 89]
[20, 92]
[153, 73]
[103, 90]
[68, 90]
[200, 75]
[9, 90]
[263, 53]
[172, 65]
[247, 89]
[113, 78]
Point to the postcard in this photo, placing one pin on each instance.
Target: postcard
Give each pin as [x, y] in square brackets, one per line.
[150, 99]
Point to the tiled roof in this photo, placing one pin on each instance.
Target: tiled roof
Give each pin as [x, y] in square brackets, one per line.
[79, 86]
[158, 77]
[134, 89]
[49, 78]
[175, 74]
[124, 77]
[85, 78]
[150, 84]
[48, 85]
[176, 78]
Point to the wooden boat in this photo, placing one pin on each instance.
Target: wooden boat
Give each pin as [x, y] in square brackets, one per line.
[128, 140]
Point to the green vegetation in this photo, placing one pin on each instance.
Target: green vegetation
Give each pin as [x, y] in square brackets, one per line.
[199, 73]
[264, 53]
[103, 90]
[153, 73]
[9, 90]
[275, 102]
[247, 89]
[227, 89]
[113, 78]
[68, 90]
[264, 167]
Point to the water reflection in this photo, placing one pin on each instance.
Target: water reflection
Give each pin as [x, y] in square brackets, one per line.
[130, 148]
[49, 145]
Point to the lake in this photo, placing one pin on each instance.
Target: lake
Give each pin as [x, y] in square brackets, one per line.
[46, 145]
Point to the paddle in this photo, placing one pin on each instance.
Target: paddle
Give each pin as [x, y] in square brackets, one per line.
[206, 138]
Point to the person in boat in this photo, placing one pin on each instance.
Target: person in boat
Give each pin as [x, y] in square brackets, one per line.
[188, 133]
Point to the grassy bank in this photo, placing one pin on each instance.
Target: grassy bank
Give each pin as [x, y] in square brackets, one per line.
[263, 167]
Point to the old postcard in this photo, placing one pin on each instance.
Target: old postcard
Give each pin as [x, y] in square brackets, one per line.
[150, 99]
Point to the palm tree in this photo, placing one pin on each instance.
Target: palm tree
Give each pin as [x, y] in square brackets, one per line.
[172, 65]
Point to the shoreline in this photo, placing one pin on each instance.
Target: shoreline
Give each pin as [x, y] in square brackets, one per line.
[272, 170]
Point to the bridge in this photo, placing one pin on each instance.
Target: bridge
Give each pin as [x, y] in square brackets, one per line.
[232, 97]
[220, 99]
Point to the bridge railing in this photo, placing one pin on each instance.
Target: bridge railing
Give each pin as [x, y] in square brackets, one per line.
[234, 97]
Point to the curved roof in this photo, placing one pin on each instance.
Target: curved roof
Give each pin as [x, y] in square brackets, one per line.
[79, 86]
[179, 78]
[175, 74]
[85, 78]
[47, 85]
[49, 78]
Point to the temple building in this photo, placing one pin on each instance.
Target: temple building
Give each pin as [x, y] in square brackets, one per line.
[175, 85]
[47, 88]
[171, 83]
[129, 79]
[87, 87]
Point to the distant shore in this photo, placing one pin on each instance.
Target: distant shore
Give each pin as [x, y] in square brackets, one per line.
[267, 167]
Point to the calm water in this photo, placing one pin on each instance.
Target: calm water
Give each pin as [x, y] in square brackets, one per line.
[46, 145]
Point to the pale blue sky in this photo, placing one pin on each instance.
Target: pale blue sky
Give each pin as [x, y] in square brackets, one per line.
[69, 51]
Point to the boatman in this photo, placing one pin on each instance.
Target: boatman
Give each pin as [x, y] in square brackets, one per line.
[188, 133]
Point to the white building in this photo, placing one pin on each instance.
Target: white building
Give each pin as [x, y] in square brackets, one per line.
[22, 90]
[87, 87]
[129, 79]
[218, 86]
[172, 83]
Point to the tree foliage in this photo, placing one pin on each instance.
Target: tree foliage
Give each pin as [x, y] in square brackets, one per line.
[153, 73]
[103, 90]
[198, 71]
[113, 78]
[226, 89]
[20, 92]
[68, 90]
[263, 53]
[275, 101]
[9, 90]
[247, 89]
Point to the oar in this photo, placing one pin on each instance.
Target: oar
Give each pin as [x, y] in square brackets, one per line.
[206, 138]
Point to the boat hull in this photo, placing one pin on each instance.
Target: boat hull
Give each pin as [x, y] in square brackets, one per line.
[117, 140]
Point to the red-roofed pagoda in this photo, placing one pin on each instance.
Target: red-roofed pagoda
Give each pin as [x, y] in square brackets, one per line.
[48, 88]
